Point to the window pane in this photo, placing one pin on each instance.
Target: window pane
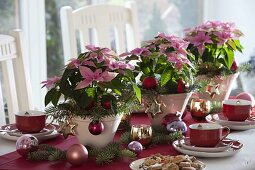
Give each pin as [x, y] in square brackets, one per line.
[7, 16]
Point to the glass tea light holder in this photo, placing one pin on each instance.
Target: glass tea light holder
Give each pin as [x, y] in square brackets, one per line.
[141, 133]
[200, 108]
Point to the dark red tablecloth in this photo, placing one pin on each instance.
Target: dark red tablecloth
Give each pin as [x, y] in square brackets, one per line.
[14, 161]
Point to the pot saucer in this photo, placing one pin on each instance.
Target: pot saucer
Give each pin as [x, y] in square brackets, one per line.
[234, 125]
[12, 130]
[222, 146]
[235, 148]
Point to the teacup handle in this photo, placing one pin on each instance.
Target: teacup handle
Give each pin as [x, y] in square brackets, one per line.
[227, 133]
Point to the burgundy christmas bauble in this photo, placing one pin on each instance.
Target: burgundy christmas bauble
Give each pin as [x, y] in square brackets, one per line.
[150, 83]
[181, 86]
[106, 104]
[77, 154]
[234, 66]
[136, 147]
[177, 125]
[96, 127]
[90, 106]
[170, 118]
[25, 144]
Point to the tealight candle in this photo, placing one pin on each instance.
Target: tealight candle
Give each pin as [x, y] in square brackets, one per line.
[141, 133]
[200, 108]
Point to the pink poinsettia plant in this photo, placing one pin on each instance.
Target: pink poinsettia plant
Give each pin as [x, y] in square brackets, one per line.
[165, 65]
[213, 44]
[97, 84]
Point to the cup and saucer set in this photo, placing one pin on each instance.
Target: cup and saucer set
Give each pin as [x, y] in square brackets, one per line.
[29, 122]
[210, 139]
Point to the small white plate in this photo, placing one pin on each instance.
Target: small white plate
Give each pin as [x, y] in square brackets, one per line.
[235, 148]
[234, 126]
[222, 146]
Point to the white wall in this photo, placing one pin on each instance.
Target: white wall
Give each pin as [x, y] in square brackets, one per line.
[242, 13]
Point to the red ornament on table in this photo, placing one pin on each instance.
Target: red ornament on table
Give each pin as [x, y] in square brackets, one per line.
[96, 127]
[77, 154]
[25, 144]
[246, 96]
[150, 83]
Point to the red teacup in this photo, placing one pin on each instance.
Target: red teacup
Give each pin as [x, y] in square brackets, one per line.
[236, 109]
[207, 134]
[30, 121]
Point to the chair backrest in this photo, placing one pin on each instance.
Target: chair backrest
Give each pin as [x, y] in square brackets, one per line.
[15, 85]
[93, 24]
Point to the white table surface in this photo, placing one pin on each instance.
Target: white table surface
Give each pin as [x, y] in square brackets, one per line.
[243, 160]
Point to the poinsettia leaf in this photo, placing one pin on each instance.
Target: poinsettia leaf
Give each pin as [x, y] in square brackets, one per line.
[137, 92]
[49, 96]
[55, 98]
[229, 58]
[239, 47]
[231, 43]
[165, 77]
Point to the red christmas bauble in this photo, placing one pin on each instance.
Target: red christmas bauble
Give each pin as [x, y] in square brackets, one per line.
[90, 106]
[77, 154]
[246, 96]
[234, 66]
[106, 104]
[181, 86]
[96, 127]
[150, 83]
[25, 144]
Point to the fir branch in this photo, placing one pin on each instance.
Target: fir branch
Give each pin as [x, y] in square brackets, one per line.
[128, 153]
[57, 155]
[125, 138]
[38, 155]
[104, 158]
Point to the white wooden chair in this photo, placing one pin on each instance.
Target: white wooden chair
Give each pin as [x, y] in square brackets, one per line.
[93, 24]
[15, 87]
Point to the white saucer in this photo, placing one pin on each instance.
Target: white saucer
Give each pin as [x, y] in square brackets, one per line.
[218, 118]
[235, 148]
[222, 146]
[222, 119]
[12, 130]
[41, 137]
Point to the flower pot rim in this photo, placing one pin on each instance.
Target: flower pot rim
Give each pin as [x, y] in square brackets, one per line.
[106, 119]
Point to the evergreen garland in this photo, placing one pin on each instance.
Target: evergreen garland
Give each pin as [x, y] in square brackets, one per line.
[107, 154]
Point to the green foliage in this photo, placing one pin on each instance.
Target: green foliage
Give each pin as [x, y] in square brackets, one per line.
[47, 152]
[215, 51]
[88, 83]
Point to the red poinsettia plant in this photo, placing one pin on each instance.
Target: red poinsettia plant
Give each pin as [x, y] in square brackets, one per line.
[213, 44]
[95, 85]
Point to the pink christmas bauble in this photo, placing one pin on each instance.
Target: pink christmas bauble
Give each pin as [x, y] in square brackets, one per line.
[136, 147]
[25, 144]
[77, 154]
[246, 96]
